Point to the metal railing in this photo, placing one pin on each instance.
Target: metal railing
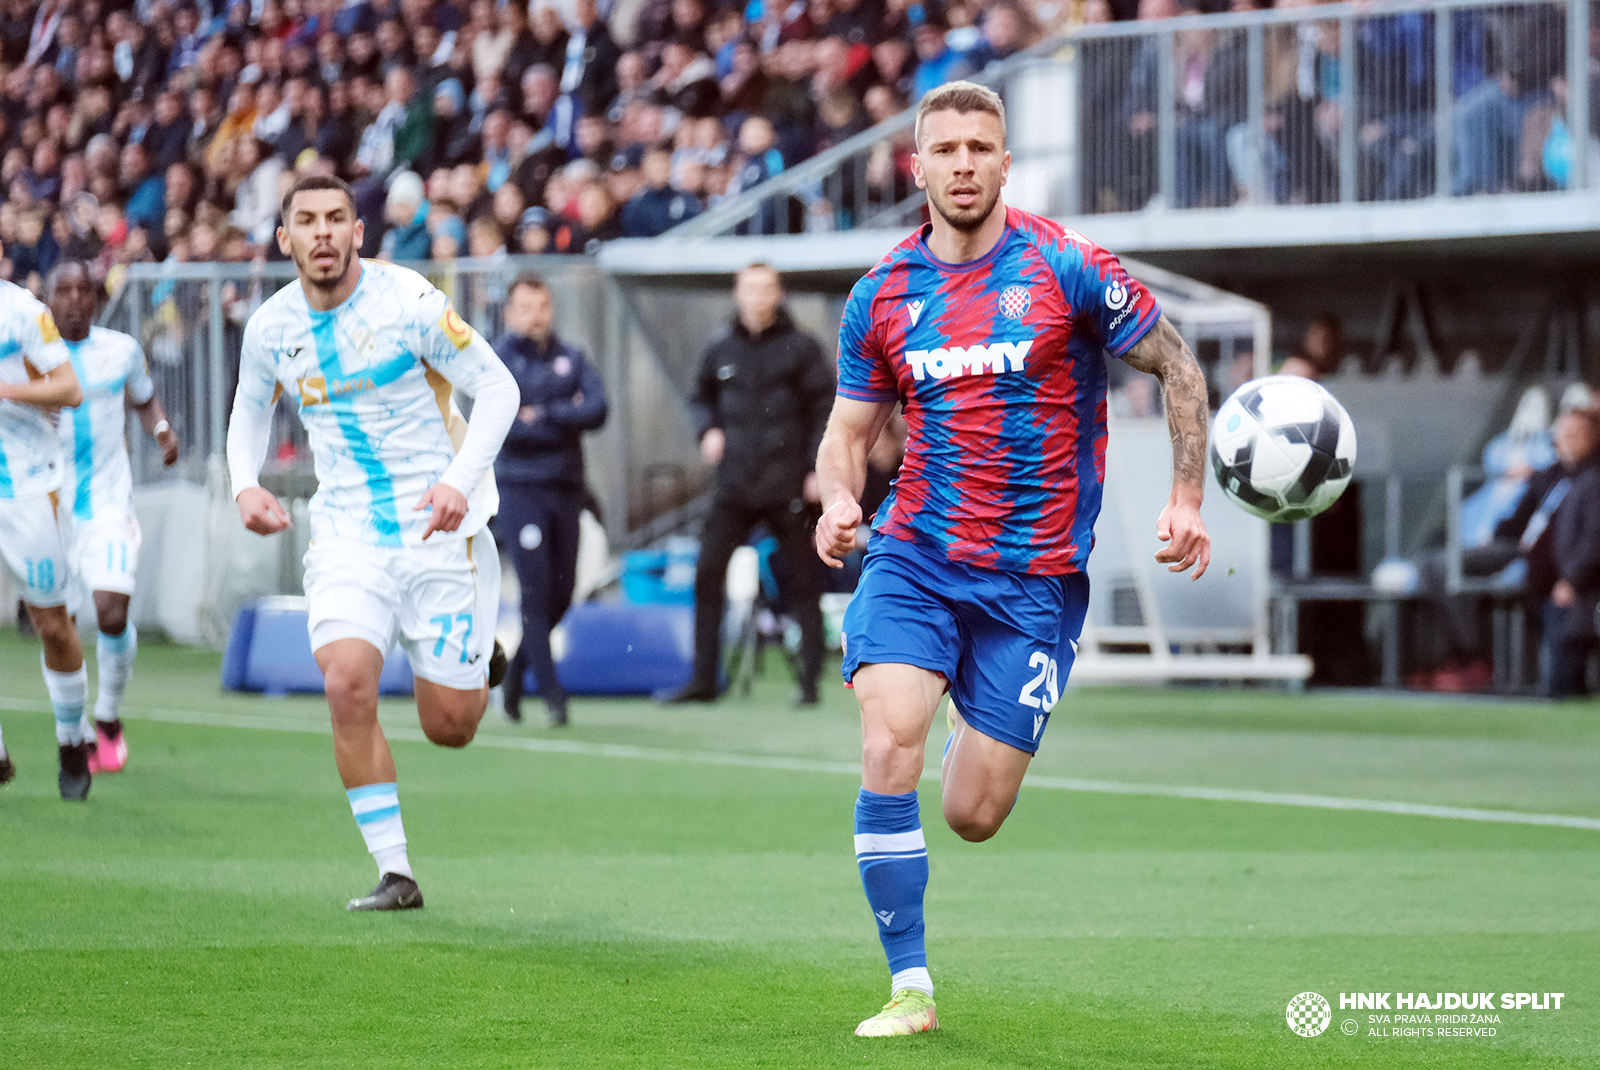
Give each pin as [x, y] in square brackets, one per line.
[190, 320]
[1336, 103]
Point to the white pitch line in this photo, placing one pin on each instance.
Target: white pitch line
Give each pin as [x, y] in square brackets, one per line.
[817, 765]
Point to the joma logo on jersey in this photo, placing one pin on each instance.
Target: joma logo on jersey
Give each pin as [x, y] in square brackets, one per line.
[993, 358]
[318, 390]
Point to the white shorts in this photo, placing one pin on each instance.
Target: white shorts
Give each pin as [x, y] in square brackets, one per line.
[105, 549]
[34, 550]
[432, 599]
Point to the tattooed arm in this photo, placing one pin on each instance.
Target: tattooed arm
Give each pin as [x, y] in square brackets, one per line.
[1163, 353]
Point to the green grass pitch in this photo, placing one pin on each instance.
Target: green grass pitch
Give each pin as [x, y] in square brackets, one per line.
[662, 887]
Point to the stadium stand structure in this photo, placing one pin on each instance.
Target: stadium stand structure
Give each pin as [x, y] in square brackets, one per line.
[645, 330]
[1334, 158]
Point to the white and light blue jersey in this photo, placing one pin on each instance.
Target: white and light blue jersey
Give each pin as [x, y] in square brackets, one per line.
[373, 379]
[94, 444]
[30, 453]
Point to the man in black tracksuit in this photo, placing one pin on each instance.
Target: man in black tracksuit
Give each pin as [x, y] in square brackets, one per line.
[761, 403]
[540, 475]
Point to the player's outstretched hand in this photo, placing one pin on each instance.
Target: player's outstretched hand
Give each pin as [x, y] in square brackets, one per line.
[449, 507]
[1188, 544]
[261, 512]
[836, 532]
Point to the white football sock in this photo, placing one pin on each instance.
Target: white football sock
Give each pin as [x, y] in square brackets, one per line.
[114, 656]
[911, 977]
[68, 693]
[377, 811]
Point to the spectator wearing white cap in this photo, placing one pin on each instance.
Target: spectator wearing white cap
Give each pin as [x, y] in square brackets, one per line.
[406, 211]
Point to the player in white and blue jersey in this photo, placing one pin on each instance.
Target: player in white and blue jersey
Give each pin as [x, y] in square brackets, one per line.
[370, 354]
[96, 500]
[36, 379]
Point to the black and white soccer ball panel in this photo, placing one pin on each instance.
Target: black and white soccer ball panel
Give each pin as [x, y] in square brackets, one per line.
[1283, 448]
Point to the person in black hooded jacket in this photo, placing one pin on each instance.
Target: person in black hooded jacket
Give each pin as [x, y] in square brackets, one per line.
[541, 479]
[761, 404]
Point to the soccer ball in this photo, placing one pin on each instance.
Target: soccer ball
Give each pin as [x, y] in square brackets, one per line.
[1283, 448]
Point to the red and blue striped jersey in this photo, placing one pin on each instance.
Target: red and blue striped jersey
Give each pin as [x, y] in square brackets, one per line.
[1000, 365]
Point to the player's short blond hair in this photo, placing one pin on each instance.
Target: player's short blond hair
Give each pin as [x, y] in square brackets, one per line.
[961, 97]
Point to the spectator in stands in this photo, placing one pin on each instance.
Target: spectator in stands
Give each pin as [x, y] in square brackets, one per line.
[447, 231]
[1141, 110]
[1526, 49]
[744, 86]
[540, 472]
[591, 59]
[1209, 71]
[468, 191]
[550, 38]
[1321, 349]
[1394, 105]
[506, 208]
[658, 207]
[1564, 570]
[936, 60]
[453, 140]
[687, 80]
[1008, 27]
[146, 193]
[533, 234]
[485, 238]
[166, 138]
[1510, 460]
[405, 209]
[1556, 530]
[759, 160]
[761, 401]
[256, 202]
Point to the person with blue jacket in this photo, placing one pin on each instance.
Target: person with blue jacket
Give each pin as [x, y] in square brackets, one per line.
[541, 478]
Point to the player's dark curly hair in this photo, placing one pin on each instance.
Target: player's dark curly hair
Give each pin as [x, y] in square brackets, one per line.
[318, 182]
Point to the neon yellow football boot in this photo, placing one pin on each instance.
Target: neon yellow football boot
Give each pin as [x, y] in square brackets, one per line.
[909, 1010]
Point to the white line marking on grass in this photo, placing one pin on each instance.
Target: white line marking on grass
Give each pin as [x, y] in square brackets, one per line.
[1316, 802]
[817, 765]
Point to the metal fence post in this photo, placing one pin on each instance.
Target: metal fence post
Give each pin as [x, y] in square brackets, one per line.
[1077, 148]
[1443, 99]
[1257, 104]
[1166, 121]
[1578, 92]
[217, 372]
[1347, 108]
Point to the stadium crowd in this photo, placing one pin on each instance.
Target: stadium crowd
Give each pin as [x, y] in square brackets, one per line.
[1507, 79]
[165, 129]
[146, 130]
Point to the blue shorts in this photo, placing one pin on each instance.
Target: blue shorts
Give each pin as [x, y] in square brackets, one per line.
[1004, 640]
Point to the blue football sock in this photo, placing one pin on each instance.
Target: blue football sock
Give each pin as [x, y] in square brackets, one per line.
[893, 857]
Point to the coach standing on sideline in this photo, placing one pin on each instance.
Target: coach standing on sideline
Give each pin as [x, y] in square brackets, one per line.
[761, 404]
[540, 472]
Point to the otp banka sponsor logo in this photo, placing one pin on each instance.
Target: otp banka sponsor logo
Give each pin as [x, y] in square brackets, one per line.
[1116, 296]
[992, 358]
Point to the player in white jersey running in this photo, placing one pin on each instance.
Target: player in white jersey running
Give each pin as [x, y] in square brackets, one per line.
[36, 379]
[96, 500]
[399, 547]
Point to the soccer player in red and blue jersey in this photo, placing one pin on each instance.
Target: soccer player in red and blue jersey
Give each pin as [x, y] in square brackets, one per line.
[990, 325]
